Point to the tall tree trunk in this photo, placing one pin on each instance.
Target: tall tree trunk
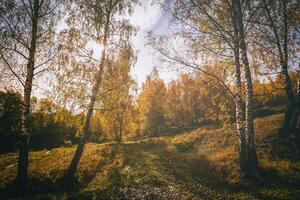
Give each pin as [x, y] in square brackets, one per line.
[120, 129]
[22, 176]
[251, 152]
[288, 86]
[288, 115]
[297, 111]
[283, 58]
[68, 177]
[238, 97]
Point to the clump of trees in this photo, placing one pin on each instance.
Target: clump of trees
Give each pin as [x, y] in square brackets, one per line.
[51, 124]
[189, 101]
[151, 105]
[10, 113]
[194, 99]
[249, 36]
[232, 49]
[183, 103]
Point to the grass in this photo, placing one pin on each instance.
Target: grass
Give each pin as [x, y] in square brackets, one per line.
[196, 164]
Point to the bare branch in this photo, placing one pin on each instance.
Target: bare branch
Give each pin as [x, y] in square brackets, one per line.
[46, 61]
[199, 69]
[25, 6]
[15, 50]
[14, 33]
[41, 71]
[12, 71]
[50, 11]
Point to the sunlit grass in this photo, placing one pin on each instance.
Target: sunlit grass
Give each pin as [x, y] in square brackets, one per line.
[197, 163]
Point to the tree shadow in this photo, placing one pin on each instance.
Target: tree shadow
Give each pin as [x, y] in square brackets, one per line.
[161, 165]
[82, 180]
[153, 169]
[279, 170]
[36, 185]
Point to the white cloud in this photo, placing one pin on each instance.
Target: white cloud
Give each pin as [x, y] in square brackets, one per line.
[148, 17]
[145, 16]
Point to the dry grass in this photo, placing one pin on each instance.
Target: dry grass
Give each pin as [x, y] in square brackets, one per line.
[197, 164]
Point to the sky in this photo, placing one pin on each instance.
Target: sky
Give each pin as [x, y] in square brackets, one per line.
[148, 17]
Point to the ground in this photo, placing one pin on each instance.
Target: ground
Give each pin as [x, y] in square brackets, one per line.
[197, 164]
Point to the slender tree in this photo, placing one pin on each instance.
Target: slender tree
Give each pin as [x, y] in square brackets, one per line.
[215, 30]
[116, 101]
[297, 111]
[26, 40]
[98, 21]
[238, 94]
[275, 30]
[251, 152]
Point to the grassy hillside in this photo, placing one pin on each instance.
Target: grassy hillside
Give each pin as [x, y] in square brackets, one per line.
[197, 164]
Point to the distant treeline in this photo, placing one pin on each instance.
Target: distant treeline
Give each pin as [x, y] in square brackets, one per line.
[191, 100]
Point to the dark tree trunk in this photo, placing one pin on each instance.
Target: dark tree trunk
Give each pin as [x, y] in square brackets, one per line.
[297, 111]
[22, 176]
[69, 175]
[288, 86]
[288, 115]
[68, 178]
[120, 129]
[283, 58]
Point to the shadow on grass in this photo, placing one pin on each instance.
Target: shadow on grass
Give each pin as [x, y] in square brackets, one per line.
[160, 165]
[281, 148]
[41, 185]
[278, 170]
[264, 112]
[36, 185]
[152, 169]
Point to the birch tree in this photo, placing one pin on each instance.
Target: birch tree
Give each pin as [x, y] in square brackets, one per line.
[100, 22]
[214, 31]
[251, 152]
[26, 47]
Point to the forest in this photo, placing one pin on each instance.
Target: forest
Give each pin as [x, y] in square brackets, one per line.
[150, 99]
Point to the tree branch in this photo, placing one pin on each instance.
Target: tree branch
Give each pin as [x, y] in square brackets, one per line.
[12, 71]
